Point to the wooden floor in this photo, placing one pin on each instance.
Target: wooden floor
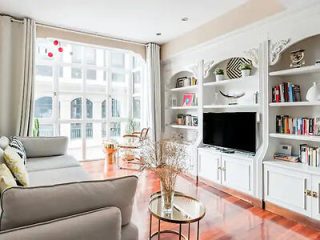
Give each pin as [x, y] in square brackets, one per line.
[227, 217]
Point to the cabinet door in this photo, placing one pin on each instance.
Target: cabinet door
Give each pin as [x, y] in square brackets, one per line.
[237, 173]
[316, 197]
[209, 166]
[286, 188]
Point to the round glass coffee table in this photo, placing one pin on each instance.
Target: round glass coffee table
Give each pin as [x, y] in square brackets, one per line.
[186, 210]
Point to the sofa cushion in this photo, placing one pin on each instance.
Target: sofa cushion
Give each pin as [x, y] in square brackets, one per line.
[16, 166]
[45, 163]
[94, 225]
[58, 176]
[4, 142]
[6, 178]
[47, 203]
[44, 146]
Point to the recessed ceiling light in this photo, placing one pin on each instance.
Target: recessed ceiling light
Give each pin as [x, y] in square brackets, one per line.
[184, 19]
[159, 34]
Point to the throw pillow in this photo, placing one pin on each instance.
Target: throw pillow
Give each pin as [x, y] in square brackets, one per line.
[4, 142]
[1, 156]
[16, 166]
[18, 146]
[6, 178]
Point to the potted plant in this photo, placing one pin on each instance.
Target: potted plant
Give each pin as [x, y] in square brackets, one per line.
[166, 159]
[245, 69]
[219, 74]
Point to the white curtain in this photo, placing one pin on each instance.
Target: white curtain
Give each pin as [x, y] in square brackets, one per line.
[17, 47]
[152, 91]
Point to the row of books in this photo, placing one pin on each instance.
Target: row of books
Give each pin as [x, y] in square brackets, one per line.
[298, 126]
[286, 92]
[310, 155]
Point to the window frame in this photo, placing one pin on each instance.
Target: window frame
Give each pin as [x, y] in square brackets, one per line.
[107, 68]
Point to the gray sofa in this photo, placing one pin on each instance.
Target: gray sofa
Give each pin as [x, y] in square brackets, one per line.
[63, 203]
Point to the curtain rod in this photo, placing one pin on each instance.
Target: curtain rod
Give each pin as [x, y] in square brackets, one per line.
[20, 20]
[89, 34]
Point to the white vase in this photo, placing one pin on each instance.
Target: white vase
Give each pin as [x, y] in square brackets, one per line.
[245, 72]
[219, 77]
[313, 93]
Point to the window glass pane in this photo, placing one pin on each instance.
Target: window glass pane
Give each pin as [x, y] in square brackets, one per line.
[115, 107]
[91, 74]
[103, 130]
[136, 108]
[44, 70]
[76, 108]
[76, 54]
[89, 109]
[89, 130]
[115, 129]
[75, 131]
[46, 130]
[117, 59]
[43, 107]
[76, 73]
[118, 77]
[104, 109]
[136, 82]
[90, 56]
[67, 82]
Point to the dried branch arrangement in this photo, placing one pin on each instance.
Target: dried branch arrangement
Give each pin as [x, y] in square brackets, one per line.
[166, 159]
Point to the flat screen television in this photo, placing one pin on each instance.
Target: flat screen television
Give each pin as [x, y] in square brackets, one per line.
[230, 130]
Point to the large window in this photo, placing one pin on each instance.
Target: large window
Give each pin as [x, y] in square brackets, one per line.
[108, 81]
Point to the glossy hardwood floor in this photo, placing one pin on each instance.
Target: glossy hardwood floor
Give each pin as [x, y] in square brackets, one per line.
[227, 217]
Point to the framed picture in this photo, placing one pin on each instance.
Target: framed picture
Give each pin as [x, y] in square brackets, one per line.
[174, 101]
[180, 82]
[187, 99]
[194, 121]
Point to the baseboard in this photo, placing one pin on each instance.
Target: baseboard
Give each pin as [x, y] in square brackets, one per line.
[250, 199]
[292, 215]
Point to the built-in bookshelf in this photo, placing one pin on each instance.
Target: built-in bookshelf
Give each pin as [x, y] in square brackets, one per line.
[294, 81]
[297, 71]
[235, 106]
[183, 89]
[294, 104]
[184, 126]
[295, 137]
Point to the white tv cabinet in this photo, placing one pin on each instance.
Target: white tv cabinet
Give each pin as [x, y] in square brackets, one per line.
[231, 170]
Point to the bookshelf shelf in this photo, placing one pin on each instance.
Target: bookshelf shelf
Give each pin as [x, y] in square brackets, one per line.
[183, 127]
[294, 104]
[293, 166]
[236, 80]
[182, 89]
[237, 106]
[295, 137]
[297, 71]
[184, 108]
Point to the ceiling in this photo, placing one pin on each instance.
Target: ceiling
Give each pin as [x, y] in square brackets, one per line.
[137, 20]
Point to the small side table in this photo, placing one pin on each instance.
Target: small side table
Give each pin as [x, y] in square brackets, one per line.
[186, 210]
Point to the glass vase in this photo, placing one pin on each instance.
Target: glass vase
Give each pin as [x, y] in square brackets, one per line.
[167, 194]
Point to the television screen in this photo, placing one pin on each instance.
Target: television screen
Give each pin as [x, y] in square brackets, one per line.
[230, 130]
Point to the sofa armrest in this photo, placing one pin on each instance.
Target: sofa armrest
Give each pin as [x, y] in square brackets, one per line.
[44, 146]
[23, 206]
[95, 225]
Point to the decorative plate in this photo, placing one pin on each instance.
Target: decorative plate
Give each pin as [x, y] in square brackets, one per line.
[233, 67]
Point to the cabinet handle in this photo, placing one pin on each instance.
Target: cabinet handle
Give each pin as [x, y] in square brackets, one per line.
[223, 169]
[219, 168]
[315, 194]
[308, 192]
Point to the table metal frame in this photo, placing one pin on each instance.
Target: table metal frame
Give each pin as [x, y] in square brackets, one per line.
[179, 233]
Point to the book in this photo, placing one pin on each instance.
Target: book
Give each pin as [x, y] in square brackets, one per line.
[284, 157]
